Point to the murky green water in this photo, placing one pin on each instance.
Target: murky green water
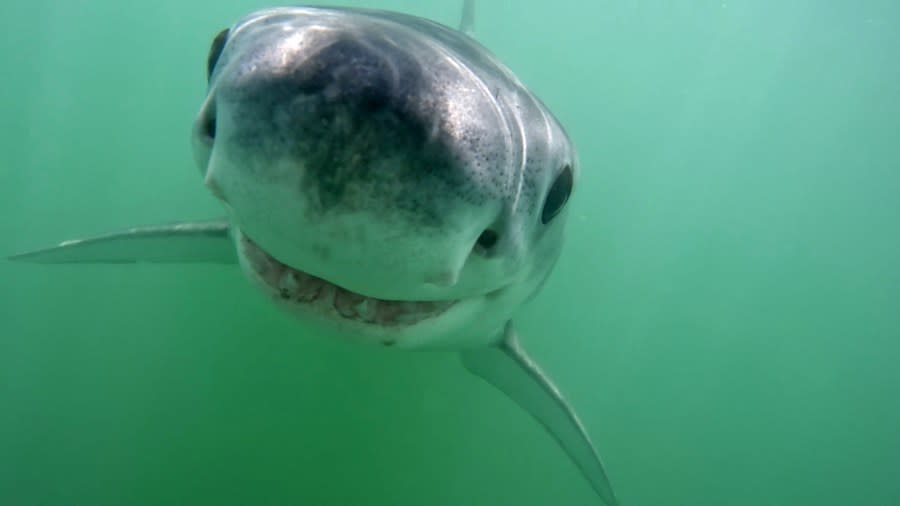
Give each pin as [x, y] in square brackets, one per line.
[725, 315]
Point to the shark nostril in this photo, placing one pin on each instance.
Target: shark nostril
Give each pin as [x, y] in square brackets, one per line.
[488, 239]
[443, 279]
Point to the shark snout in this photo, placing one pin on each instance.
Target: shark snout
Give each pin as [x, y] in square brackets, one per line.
[355, 157]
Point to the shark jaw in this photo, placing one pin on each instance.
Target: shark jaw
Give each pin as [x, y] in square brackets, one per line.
[305, 292]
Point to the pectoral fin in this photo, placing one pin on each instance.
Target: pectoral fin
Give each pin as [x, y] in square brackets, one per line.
[186, 242]
[507, 367]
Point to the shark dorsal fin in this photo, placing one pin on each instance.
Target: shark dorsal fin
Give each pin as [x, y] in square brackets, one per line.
[467, 20]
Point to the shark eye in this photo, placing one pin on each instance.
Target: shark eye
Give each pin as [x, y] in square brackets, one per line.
[558, 195]
[209, 126]
[215, 51]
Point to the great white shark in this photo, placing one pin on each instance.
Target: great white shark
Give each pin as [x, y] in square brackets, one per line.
[386, 179]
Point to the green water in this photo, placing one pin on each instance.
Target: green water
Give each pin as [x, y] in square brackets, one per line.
[725, 315]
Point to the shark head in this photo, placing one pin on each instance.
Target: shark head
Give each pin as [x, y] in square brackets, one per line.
[387, 177]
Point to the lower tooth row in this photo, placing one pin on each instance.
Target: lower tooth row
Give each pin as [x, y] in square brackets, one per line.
[304, 288]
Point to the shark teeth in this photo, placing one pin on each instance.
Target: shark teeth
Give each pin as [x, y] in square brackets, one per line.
[305, 289]
[367, 310]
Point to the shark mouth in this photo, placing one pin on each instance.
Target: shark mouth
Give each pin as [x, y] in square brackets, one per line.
[294, 285]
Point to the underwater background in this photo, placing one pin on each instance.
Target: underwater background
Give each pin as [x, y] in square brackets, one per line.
[725, 316]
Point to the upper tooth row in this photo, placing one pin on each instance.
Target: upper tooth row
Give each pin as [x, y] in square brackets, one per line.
[349, 304]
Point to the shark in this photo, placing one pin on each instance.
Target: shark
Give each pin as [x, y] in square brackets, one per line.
[385, 179]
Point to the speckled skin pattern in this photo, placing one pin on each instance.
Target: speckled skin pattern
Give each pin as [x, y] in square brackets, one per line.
[372, 150]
